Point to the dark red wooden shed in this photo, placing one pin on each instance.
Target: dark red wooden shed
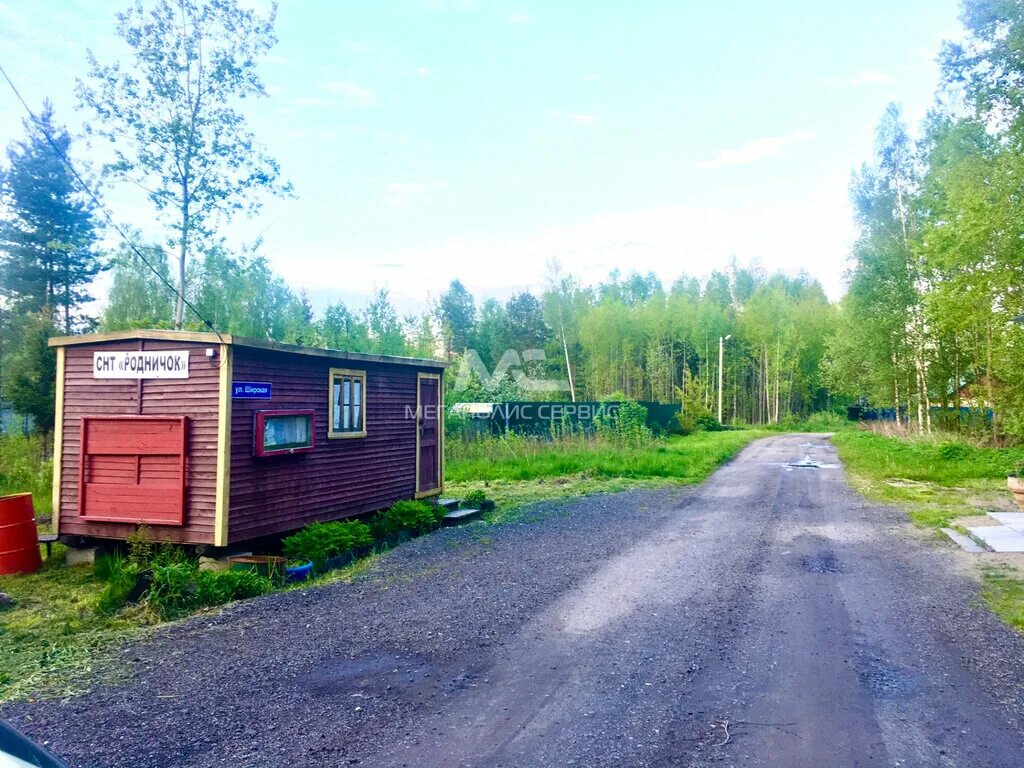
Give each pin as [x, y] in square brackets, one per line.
[216, 440]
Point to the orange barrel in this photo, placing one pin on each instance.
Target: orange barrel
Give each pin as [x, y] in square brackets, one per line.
[19, 540]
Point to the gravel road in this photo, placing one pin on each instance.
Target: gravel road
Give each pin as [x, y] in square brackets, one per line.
[770, 617]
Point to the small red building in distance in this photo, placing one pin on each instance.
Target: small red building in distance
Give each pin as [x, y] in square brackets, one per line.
[216, 440]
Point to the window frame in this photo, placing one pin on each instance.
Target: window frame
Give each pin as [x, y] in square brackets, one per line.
[348, 373]
[260, 449]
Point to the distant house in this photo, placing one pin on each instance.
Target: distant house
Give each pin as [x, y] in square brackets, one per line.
[975, 394]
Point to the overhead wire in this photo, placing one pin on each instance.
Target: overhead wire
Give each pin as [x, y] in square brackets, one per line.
[62, 156]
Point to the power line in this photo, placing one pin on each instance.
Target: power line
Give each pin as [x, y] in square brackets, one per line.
[96, 201]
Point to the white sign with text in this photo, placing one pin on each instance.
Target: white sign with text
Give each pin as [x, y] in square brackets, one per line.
[149, 364]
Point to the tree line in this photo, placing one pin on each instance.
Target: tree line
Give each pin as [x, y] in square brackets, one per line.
[170, 119]
[925, 330]
[927, 326]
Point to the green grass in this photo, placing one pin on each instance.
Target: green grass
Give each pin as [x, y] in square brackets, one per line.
[24, 470]
[938, 479]
[687, 459]
[1003, 591]
[519, 471]
[49, 640]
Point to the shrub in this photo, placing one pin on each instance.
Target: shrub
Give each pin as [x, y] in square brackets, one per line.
[694, 411]
[708, 423]
[627, 425]
[474, 499]
[140, 546]
[826, 421]
[417, 517]
[319, 541]
[953, 451]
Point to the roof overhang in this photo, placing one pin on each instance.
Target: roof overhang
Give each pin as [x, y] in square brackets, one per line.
[241, 341]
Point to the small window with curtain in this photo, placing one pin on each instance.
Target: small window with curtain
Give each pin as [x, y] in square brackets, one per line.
[348, 403]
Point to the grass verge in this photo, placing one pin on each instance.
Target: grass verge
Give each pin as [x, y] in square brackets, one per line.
[49, 639]
[938, 480]
[520, 471]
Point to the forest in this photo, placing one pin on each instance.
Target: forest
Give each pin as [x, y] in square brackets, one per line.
[925, 331]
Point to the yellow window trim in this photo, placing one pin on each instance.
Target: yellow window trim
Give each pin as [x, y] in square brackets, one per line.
[351, 373]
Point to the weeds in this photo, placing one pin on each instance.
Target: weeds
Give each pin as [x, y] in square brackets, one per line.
[26, 468]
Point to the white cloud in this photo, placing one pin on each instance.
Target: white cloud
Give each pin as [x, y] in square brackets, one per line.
[311, 101]
[755, 149]
[589, 77]
[424, 71]
[576, 117]
[274, 58]
[519, 18]
[352, 94]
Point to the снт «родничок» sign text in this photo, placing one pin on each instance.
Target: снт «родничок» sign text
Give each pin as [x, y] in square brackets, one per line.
[147, 364]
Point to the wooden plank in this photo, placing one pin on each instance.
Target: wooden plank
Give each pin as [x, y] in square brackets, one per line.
[224, 403]
[238, 341]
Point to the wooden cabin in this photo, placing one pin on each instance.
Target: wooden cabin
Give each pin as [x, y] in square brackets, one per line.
[216, 440]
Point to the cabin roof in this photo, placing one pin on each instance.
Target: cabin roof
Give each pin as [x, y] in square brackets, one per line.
[241, 341]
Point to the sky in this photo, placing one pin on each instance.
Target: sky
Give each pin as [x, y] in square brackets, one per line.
[429, 140]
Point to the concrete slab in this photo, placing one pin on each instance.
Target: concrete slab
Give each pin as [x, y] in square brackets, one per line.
[966, 543]
[461, 516]
[449, 504]
[1014, 520]
[86, 556]
[1000, 538]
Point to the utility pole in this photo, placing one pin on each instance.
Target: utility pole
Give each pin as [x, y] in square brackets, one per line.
[721, 357]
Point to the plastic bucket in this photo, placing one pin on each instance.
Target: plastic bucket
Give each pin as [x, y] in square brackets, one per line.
[19, 539]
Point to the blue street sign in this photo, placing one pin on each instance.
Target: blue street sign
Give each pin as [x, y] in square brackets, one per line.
[250, 390]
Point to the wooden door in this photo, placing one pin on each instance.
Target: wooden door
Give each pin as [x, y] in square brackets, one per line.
[428, 434]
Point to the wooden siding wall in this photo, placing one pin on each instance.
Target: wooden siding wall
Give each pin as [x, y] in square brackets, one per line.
[195, 397]
[340, 477]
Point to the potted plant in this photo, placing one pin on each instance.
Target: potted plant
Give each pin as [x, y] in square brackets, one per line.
[1015, 482]
[477, 500]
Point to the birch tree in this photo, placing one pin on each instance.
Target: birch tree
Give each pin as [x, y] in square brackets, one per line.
[171, 115]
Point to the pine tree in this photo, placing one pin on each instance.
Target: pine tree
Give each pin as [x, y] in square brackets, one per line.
[48, 253]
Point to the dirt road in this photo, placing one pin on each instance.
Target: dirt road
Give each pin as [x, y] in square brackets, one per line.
[770, 617]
